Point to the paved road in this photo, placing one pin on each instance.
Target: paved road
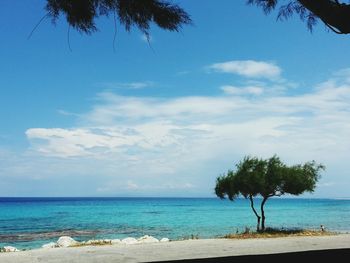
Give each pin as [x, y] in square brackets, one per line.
[189, 249]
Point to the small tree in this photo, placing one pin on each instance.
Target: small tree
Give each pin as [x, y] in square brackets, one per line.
[267, 178]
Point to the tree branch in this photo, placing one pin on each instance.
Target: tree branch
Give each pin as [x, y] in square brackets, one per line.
[263, 212]
[115, 30]
[36, 26]
[68, 39]
[332, 13]
[331, 28]
[256, 213]
[252, 206]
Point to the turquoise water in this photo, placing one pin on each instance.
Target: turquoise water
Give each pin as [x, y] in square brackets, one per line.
[32, 222]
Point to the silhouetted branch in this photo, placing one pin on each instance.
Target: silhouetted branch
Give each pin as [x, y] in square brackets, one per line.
[81, 14]
[115, 30]
[332, 13]
[36, 26]
[68, 39]
[331, 28]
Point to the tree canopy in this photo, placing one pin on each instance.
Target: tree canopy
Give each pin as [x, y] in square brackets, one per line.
[81, 14]
[267, 178]
[333, 13]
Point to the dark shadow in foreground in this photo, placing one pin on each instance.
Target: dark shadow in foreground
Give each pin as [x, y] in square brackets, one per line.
[315, 256]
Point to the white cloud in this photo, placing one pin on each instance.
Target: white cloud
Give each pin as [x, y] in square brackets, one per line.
[156, 144]
[318, 122]
[132, 187]
[182, 73]
[239, 91]
[327, 184]
[127, 85]
[98, 141]
[249, 68]
[138, 85]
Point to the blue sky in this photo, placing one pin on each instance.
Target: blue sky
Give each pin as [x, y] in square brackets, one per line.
[166, 119]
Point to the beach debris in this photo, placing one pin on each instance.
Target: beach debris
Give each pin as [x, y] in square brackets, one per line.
[116, 241]
[194, 236]
[129, 241]
[164, 239]
[50, 245]
[10, 249]
[97, 242]
[246, 230]
[147, 239]
[66, 241]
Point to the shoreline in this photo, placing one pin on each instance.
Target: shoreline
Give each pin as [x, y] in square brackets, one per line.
[269, 233]
[181, 250]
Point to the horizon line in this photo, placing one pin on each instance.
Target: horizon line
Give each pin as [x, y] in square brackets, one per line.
[173, 197]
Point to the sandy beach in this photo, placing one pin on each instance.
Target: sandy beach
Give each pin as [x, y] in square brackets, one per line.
[179, 250]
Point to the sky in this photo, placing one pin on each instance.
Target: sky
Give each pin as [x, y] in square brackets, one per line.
[86, 117]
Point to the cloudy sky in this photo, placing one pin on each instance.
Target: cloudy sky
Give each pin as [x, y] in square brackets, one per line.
[165, 118]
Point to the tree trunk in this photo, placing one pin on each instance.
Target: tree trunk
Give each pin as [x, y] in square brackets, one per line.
[263, 214]
[331, 12]
[256, 214]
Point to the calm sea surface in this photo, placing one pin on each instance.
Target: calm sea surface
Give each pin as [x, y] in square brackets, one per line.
[32, 222]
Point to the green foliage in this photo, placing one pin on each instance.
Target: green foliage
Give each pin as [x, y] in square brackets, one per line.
[267, 178]
[302, 178]
[247, 177]
[277, 232]
[226, 185]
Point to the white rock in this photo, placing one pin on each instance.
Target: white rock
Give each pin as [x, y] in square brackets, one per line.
[129, 241]
[147, 239]
[115, 241]
[66, 241]
[164, 239]
[50, 245]
[89, 242]
[10, 249]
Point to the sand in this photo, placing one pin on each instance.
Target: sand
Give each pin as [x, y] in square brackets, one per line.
[175, 250]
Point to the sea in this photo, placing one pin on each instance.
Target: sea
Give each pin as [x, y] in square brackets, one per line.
[28, 223]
